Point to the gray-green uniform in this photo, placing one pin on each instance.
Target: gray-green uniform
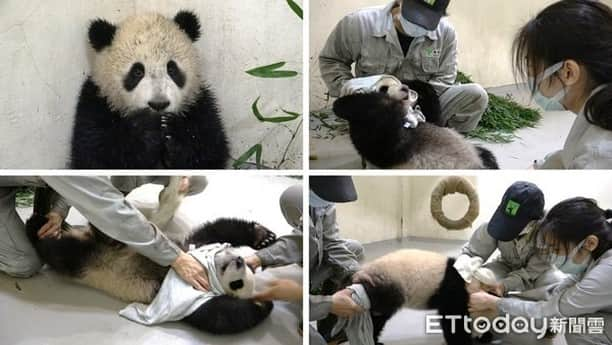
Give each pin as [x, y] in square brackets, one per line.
[329, 254]
[518, 267]
[17, 255]
[99, 201]
[588, 296]
[368, 38]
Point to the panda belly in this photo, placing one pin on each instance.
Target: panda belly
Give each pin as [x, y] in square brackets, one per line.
[122, 273]
[417, 274]
[441, 148]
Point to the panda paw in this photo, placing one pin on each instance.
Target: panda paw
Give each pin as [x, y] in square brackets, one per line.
[145, 121]
[263, 236]
[175, 134]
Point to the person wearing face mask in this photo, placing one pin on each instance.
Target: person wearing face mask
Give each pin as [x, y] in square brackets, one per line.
[408, 39]
[564, 53]
[512, 231]
[333, 260]
[578, 238]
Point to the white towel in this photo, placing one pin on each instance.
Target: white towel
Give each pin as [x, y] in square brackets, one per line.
[359, 329]
[176, 299]
[414, 115]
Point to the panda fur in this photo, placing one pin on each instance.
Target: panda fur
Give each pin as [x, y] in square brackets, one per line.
[415, 279]
[376, 125]
[145, 106]
[89, 257]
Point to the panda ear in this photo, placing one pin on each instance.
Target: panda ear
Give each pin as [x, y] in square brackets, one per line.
[189, 23]
[101, 34]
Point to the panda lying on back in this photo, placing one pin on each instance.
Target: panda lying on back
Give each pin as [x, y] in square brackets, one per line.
[144, 105]
[376, 124]
[91, 258]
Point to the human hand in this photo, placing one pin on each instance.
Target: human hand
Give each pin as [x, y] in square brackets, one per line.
[343, 305]
[497, 289]
[482, 301]
[184, 185]
[253, 261]
[53, 226]
[192, 271]
[283, 290]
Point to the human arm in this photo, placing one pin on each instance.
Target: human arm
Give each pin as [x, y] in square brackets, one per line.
[286, 250]
[106, 208]
[340, 51]
[591, 294]
[481, 244]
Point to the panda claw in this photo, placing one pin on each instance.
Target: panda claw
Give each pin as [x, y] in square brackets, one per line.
[267, 240]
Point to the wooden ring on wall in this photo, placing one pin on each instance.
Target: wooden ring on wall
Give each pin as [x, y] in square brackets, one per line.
[452, 185]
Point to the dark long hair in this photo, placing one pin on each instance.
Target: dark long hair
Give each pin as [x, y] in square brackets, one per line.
[572, 220]
[579, 30]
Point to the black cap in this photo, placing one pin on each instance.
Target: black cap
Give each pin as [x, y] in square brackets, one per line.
[333, 188]
[424, 13]
[522, 203]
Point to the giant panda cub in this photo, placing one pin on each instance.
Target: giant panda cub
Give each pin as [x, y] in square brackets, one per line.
[145, 105]
[376, 125]
[416, 279]
[89, 257]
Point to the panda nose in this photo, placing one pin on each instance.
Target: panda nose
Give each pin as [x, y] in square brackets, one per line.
[159, 105]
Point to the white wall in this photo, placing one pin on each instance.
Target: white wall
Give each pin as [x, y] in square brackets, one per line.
[396, 207]
[44, 58]
[485, 29]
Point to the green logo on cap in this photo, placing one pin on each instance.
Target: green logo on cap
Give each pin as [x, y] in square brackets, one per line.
[512, 208]
[431, 2]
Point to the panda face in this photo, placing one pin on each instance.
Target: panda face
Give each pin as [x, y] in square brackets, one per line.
[147, 62]
[398, 91]
[235, 276]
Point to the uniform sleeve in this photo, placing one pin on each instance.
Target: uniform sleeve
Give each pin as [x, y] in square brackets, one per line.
[447, 73]
[592, 158]
[520, 279]
[552, 161]
[340, 51]
[106, 208]
[334, 248]
[481, 244]
[320, 307]
[286, 250]
[591, 294]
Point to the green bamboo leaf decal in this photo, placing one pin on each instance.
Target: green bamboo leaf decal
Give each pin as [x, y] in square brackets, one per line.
[292, 116]
[256, 150]
[296, 8]
[271, 71]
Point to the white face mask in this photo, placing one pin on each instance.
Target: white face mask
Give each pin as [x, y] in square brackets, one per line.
[549, 103]
[316, 202]
[566, 263]
[412, 29]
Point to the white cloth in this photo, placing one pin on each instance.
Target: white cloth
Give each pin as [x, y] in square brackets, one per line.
[359, 329]
[414, 115]
[587, 146]
[177, 299]
[470, 267]
[365, 84]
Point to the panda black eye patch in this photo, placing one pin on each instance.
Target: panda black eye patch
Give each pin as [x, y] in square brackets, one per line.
[176, 74]
[134, 76]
